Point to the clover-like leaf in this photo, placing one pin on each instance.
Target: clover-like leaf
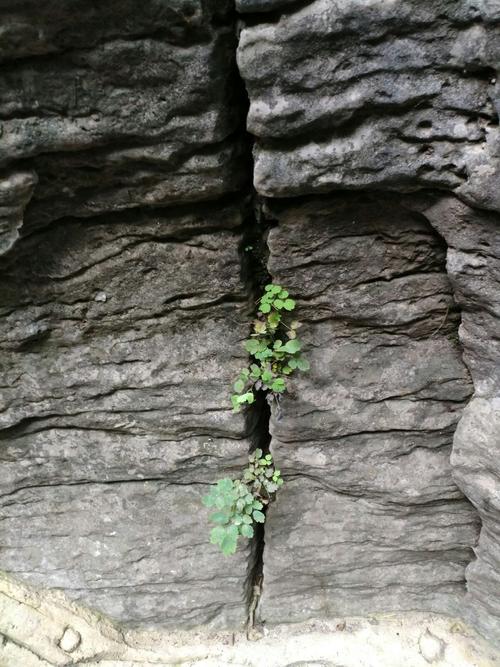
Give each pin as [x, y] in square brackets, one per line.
[247, 530]
[252, 345]
[303, 364]
[217, 534]
[292, 346]
[258, 516]
[278, 385]
[289, 304]
[220, 517]
[259, 327]
[267, 376]
[239, 386]
[229, 542]
[265, 307]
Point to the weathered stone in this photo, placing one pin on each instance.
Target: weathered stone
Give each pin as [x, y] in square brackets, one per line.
[262, 5]
[398, 95]
[369, 518]
[115, 412]
[474, 268]
[15, 192]
[31, 623]
[431, 647]
[120, 112]
[70, 640]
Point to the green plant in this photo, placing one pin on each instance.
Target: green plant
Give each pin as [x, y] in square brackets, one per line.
[274, 347]
[239, 503]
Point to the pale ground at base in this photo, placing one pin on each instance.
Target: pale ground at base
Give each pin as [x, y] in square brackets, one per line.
[41, 629]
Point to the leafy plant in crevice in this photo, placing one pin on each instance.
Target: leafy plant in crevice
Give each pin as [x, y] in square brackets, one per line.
[274, 347]
[239, 503]
[275, 354]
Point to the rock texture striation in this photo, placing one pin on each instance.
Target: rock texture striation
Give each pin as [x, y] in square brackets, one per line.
[125, 232]
[370, 518]
[118, 340]
[377, 94]
[121, 319]
[119, 106]
[474, 268]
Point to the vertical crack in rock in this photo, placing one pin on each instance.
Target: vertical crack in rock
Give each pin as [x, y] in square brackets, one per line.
[254, 253]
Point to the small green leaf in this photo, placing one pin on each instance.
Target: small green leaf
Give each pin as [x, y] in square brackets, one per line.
[277, 344]
[259, 327]
[225, 484]
[258, 516]
[228, 545]
[279, 304]
[303, 364]
[217, 534]
[255, 371]
[283, 294]
[289, 304]
[219, 517]
[239, 386]
[246, 530]
[274, 319]
[265, 307]
[267, 376]
[208, 501]
[278, 385]
[292, 346]
[252, 345]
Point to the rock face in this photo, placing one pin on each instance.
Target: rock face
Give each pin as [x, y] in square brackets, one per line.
[125, 293]
[474, 268]
[360, 94]
[118, 107]
[116, 358]
[370, 519]
[15, 192]
[120, 334]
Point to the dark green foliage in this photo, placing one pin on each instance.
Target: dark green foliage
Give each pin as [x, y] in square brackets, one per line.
[274, 347]
[239, 503]
[275, 350]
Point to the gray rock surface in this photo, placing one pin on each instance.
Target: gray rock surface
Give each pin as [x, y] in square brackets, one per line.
[122, 307]
[474, 268]
[118, 340]
[370, 518]
[15, 192]
[356, 94]
[119, 105]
